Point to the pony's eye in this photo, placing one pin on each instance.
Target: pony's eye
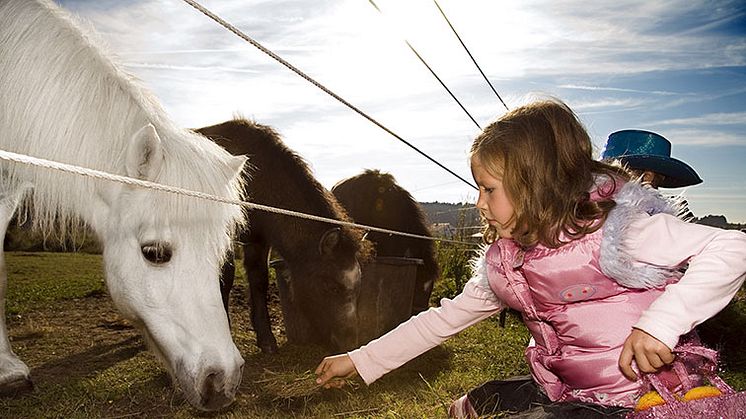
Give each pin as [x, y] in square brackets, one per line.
[156, 253]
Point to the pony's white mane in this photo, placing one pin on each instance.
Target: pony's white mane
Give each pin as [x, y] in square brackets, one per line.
[62, 98]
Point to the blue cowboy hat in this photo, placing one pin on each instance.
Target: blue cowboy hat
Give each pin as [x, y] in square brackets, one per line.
[645, 150]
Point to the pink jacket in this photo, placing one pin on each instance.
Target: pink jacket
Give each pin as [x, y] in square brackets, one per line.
[579, 316]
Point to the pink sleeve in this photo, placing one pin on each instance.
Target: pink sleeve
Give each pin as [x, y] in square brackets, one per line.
[717, 267]
[425, 331]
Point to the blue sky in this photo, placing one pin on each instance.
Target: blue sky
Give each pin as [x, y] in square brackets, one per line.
[674, 67]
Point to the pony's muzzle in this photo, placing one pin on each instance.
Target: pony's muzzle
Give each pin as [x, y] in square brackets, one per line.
[213, 391]
[215, 386]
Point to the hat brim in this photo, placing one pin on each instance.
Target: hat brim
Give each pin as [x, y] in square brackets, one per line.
[677, 173]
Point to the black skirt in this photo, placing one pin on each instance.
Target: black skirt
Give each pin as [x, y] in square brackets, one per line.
[526, 400]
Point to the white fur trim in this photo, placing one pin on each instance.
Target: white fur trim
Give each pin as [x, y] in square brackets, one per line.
[632, 201]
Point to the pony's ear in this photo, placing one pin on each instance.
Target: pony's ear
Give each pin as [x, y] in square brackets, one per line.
[237, 164]
[144, 154]
[329, 241]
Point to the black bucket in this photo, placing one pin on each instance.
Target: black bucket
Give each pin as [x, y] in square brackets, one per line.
[385, 296]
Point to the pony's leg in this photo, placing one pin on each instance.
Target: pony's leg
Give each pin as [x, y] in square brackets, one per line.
[14, 374]
[255, 257]
[227, 277]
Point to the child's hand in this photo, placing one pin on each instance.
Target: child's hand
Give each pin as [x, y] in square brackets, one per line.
[335, 366]
[649, 354]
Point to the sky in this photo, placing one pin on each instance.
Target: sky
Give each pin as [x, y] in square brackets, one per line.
[674, 67]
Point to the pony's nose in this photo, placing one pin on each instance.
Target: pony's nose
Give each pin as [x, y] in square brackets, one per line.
[218, 386]
[214, 393]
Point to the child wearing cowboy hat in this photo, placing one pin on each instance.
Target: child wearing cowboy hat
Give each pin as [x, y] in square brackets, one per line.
[648, 155]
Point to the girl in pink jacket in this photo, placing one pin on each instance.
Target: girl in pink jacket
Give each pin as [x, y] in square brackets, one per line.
[591, 260]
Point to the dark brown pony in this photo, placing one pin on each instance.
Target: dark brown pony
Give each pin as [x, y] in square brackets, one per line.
[373, 198]
[322, 258]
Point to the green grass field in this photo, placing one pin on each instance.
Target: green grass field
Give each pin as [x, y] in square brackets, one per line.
[87, 362]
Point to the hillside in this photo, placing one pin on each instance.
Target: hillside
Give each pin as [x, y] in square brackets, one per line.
[452, 220]
[719, 221]
[454, 214]
[466, 215]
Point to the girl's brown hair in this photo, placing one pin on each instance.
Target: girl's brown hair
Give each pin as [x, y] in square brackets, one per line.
[544, 157]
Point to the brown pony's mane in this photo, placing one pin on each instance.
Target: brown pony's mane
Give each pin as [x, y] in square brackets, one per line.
[265, 149]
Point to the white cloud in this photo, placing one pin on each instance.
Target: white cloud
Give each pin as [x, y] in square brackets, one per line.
[616, 89]
[710, 138]
[732, 118]
[189, 68]
[603, 104]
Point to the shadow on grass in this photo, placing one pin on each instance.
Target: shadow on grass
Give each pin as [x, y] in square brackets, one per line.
[87, 363]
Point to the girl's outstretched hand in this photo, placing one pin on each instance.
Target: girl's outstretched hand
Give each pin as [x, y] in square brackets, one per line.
[335, 366]
[648, 352]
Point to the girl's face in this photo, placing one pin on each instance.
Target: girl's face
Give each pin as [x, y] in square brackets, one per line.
[493, 201]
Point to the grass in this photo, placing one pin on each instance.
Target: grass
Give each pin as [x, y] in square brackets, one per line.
[36, 279]
[87, 362]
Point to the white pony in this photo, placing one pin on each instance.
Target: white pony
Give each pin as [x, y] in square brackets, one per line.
[62, 99]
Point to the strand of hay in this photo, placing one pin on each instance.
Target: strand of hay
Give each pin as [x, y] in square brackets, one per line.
[359, 411]
[291, 385]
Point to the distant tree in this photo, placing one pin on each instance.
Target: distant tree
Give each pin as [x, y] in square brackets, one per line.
[714, 221]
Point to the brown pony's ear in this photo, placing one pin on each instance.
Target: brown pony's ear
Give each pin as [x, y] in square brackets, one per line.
[329, 241]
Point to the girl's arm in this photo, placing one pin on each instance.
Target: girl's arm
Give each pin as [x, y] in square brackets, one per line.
[415, 336]
[717, 268]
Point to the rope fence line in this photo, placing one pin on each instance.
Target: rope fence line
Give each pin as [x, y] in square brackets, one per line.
[98, 174]
[442, 13]
[297, 71]
[442, 83]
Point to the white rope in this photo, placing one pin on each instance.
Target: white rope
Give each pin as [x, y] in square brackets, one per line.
[97, 174]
